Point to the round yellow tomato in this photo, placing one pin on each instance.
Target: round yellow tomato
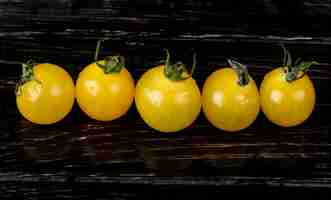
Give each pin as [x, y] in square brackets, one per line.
[227, 104]
[103, 93]
[46, 95]
[165, 104]
[286, 103]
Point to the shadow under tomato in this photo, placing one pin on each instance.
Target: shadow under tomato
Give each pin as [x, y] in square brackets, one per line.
[163, 157]
[62, 141]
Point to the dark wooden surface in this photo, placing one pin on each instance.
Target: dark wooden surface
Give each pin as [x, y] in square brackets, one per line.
[87, 154]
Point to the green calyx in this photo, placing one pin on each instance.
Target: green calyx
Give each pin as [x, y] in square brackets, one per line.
[178, 71]
[296, 70]
[27, 75]
[113, 64]
[241, 70]
[27, 71]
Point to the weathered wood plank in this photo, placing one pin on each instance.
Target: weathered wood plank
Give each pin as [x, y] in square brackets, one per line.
[81, 151]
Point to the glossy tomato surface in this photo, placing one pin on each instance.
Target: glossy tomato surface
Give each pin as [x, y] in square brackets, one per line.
[167, 105]
[286, 103]
[226, 104]
[48, 98]
[102, 96]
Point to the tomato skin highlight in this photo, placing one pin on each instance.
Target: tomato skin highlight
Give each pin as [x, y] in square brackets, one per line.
[49, 98]
[226, 104]
[104, 97]
[166, 105]
[285, 103]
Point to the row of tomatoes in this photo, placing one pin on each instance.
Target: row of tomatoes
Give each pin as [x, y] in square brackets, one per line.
[166, 96]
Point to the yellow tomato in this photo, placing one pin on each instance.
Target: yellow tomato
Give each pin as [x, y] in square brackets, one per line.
[104, 96]
[164, 104]
[227, 104]
[286, 103]
[47, 96]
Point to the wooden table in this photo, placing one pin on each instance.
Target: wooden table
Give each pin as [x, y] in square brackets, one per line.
[79, 157]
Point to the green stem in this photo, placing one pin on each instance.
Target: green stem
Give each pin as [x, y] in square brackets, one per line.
[296, 70]
[287, 59]
[194, 64]
[97, 50]
[241, 71]
[113, 64]
[177, 71]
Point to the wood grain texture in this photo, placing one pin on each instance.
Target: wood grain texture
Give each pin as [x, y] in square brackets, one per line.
[82, 151]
